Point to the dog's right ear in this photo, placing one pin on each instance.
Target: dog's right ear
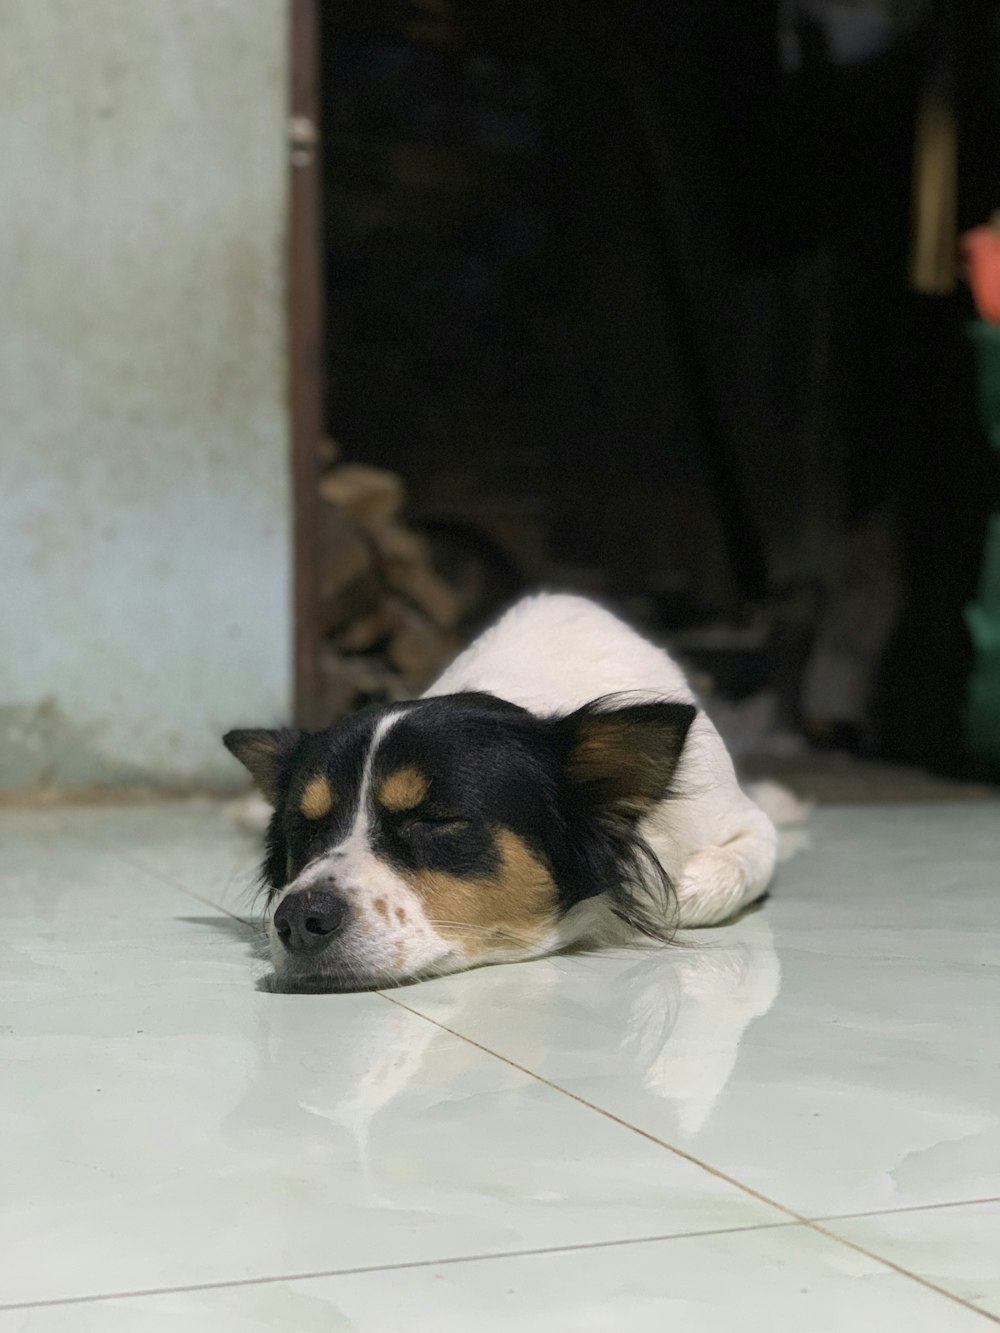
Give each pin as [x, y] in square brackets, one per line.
[621, 757]
[267, 755]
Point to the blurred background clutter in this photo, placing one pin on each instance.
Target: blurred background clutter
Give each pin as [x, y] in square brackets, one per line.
[333, 326]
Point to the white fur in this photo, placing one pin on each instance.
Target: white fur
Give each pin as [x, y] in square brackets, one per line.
[553, 653]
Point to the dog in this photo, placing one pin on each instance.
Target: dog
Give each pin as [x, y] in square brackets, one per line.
[557, 787]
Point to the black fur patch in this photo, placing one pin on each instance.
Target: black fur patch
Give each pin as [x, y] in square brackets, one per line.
[476, 752]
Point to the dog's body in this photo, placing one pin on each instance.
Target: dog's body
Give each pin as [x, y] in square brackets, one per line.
[555, 786]
[553, 654]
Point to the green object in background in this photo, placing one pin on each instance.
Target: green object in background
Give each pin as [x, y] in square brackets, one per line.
[986, 339]
[983, 615]
[982, 712]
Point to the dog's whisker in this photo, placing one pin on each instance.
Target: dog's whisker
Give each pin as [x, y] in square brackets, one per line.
[462, 925]
[489, 932]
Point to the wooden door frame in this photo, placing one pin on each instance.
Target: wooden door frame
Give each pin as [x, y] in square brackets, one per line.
[305, 350]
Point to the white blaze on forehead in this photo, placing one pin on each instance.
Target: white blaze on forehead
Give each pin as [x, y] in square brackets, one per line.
[374, 888]
[359, 828]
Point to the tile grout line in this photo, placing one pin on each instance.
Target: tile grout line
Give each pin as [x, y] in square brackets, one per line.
[812, 1223]
[138, 864]
[407, 1264]
[164, 878]
[907, 1208]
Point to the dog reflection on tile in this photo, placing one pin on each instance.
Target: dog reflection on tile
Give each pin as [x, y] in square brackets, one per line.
[664, 1026]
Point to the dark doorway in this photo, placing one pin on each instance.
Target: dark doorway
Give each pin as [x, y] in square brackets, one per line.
[622, 292]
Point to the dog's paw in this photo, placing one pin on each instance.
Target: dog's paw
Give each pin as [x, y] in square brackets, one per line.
[782, 807]
[250, 813]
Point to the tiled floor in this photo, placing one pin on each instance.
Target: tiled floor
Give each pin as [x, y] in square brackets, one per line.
[791, 1123]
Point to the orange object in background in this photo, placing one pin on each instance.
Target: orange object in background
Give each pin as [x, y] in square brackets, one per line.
[981, 249]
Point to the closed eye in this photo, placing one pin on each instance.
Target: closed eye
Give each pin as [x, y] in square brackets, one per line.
[438, 823]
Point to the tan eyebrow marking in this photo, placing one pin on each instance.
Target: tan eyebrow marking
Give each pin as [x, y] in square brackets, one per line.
[317, 798]
[404, 789]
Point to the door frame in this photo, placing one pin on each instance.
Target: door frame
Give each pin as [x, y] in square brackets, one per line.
[305, 350]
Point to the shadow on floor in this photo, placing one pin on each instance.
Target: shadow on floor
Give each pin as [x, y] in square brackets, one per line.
[246, 932]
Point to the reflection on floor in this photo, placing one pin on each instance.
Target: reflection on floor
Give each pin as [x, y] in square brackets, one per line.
[791, 1122]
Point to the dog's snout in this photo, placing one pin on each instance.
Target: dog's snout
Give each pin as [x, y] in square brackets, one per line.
[306, 922]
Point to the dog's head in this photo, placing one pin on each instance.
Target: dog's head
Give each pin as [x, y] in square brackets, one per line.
[414, 839]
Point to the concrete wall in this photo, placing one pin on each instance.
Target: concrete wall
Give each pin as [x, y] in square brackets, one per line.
[144, 487]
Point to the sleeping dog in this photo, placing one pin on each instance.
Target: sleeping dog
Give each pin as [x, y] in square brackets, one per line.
[556, 787]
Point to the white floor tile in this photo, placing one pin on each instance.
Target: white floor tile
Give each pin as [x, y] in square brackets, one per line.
[787, 1280]
[955, 1248]
[823, 1050]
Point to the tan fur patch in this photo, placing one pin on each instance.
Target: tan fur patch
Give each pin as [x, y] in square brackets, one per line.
[382, 907]
[513, 908]
[404, 789]
[317, 799]
[622, 760]
[600, 746]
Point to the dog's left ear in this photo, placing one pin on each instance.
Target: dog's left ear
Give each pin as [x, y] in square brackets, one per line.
[267, 756]
[622, 759]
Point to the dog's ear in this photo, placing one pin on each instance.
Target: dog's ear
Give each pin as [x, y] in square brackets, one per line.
[621, 759]
[267, 755]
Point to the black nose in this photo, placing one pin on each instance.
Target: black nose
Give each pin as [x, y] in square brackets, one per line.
[305, 922]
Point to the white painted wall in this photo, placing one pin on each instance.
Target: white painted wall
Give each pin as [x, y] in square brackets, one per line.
[144, 486]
